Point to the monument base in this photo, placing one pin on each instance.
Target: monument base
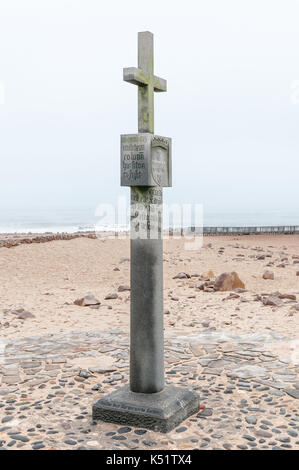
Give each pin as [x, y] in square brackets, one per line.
[160, 411]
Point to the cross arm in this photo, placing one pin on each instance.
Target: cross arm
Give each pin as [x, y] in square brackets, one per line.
[138, 77]
[160, 84]
[135, 76]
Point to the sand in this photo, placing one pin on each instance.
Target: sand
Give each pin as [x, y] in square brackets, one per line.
[214, 342]
[47, 278]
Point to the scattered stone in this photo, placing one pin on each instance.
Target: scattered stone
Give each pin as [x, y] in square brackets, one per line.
[6, 419]
[70, 442]
[85, 374]
[268, 275]
[19, 437]
[111, 296]
[292, 392]
[123, 288]
[209, 371]
[182, 276]
[228, 281]
[262, 433]
[21, 313]
[248, 371]
[251, 419]
[87, 301]
[102, 369]
[205, 413]
[272, 301]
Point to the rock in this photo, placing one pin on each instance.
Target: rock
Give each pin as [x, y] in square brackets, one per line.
[287, 296]
[201, 286]
[10, 379]
[248, 371]
[205, 413]
[292, 392]
[176, 299]
[228, 281]
[209, 287]
[30, 365]
[182, 276]
[197, 349]
[102, 369]
[24, 315]
[297, 273]
[6, 419]
[268, 275]
[123, 288]
[251, 419]
[272, 301]
[232, 295]
[21, 313]
[79, 379]
[87, 301]
[96, 387]
[111, 296]
[262, 433]
[211, 371]
[85, 374]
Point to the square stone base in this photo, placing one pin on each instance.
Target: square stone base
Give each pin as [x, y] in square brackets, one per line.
[160, 411]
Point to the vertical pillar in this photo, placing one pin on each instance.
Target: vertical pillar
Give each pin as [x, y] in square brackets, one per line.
[146, 316]
[146, 321]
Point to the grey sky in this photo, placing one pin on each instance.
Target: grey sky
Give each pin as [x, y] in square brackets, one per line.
[230, 107]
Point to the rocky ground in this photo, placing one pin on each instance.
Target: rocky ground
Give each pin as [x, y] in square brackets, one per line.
[238, 349]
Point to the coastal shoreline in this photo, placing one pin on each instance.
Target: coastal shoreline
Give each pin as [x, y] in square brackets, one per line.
[10, 240]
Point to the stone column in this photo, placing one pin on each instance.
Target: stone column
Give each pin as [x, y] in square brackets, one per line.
[146, 328]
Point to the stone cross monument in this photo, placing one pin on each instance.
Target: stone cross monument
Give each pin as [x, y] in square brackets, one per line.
[146, 168]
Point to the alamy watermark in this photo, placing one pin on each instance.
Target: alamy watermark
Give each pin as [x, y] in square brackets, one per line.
[152, 221]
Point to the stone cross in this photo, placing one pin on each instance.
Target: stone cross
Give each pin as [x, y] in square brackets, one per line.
[146, 168]
[147, 82]
[146, 337]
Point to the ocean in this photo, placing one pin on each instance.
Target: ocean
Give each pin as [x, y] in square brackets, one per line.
[62, 219]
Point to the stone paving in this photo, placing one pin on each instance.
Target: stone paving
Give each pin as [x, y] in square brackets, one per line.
[249, 394]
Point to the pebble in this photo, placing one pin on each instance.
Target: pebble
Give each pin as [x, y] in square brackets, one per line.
[70, 442]
[251, 419]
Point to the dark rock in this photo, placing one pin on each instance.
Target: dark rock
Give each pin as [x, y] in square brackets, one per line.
[123, 288]
[182, 276]
[111, 297]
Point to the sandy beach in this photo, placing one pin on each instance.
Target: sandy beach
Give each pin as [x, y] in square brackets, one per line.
[47, 278]
[57, 357]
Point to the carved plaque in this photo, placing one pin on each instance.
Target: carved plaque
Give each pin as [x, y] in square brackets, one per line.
[145, 160]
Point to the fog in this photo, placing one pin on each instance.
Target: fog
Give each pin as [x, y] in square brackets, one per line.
[232, 105]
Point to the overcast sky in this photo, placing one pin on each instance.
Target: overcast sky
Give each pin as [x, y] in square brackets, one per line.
[230, 106]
